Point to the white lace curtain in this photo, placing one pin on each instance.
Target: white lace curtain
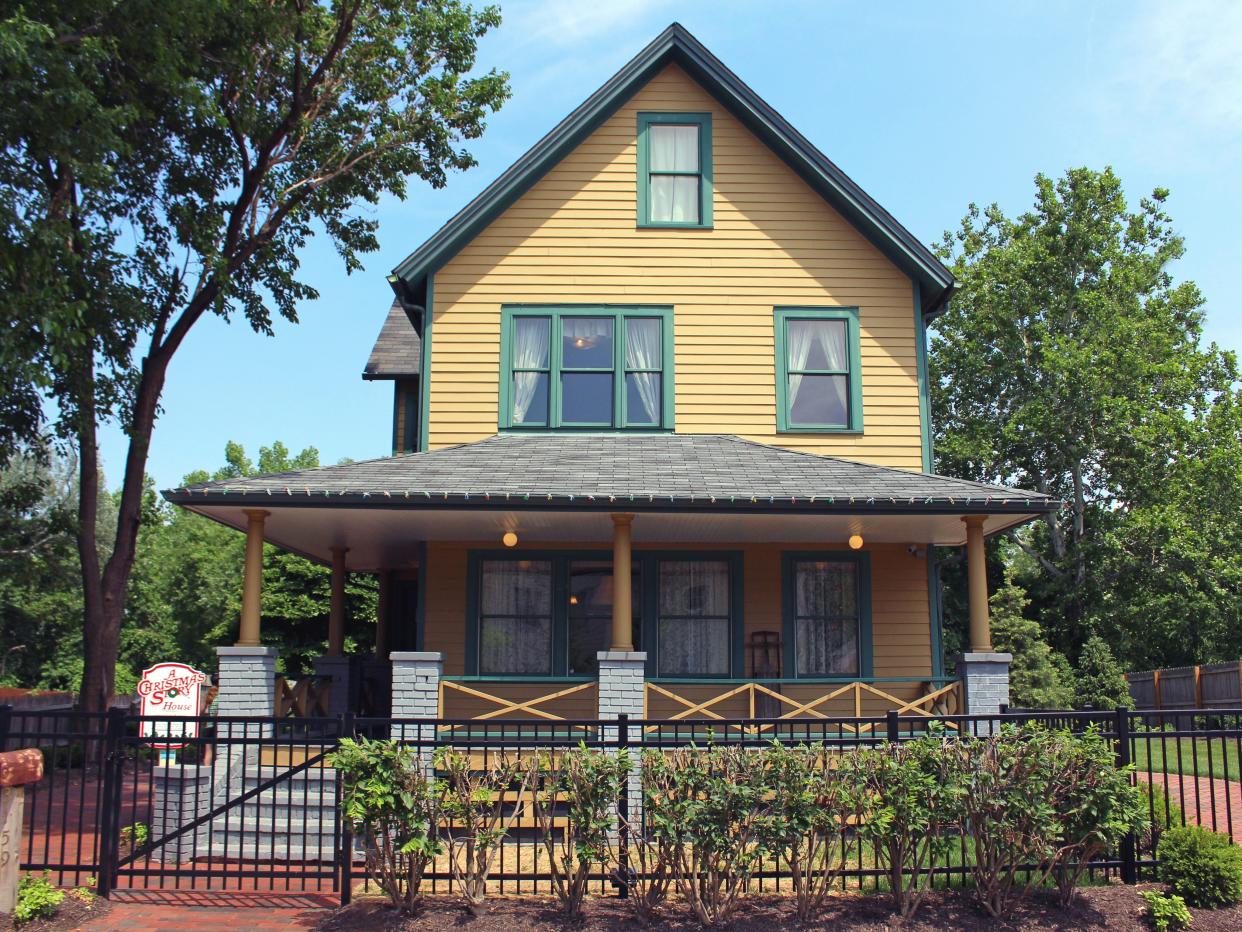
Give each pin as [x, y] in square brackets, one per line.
[530, 351]
[642, 351]
[802, 338]
[515, 630]
[674, 198]
[826, 602]
[694, 618]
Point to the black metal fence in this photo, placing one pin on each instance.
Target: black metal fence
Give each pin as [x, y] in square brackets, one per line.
[252, 805]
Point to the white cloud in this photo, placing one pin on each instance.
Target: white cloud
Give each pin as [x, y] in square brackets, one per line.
[568, 23]
[1183, 62]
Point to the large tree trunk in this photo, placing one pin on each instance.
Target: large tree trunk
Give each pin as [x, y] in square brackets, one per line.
[104, 593]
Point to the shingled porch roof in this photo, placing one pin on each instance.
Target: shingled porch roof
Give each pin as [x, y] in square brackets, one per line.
[560, 486]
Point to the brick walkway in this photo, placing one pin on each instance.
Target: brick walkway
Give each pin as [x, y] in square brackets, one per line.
[1208, 801]
[211, 912]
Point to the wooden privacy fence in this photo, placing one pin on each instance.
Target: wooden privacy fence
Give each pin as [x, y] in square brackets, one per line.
[1204, 686]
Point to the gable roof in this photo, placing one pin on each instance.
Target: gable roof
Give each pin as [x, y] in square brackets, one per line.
[676, 45]
[398, 348]
[685, 472]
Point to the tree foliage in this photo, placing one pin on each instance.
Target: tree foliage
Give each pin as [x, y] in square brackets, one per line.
[1072, 362]
[162, 162]
[1039, 677]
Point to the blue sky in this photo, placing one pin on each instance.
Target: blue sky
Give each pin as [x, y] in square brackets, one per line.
[927, 106]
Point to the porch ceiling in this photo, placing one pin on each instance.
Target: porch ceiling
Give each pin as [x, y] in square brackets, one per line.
[381, 537]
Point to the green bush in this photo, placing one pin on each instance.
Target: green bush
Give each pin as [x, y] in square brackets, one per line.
[1166, 913]
[63, 756]
[711, 813]
[1201, 866]
[389, 801]
[585, 785]
[912, 792]
[36, 898]
[1159, 815]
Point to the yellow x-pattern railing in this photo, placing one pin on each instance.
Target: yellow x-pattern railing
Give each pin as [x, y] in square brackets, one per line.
[506, 706]
[924, 705]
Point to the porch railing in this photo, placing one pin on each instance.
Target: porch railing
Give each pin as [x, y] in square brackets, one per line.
[483, 698]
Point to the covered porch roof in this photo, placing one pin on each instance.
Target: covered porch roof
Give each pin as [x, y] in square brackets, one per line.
[688, 488]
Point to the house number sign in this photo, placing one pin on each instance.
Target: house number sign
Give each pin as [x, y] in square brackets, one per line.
[172, 693]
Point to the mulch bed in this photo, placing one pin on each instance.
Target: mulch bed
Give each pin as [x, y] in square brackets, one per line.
[1112, 907]
[73, 913]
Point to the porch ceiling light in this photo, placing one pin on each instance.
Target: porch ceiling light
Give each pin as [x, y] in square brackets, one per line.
[509, 539]
[856, 541]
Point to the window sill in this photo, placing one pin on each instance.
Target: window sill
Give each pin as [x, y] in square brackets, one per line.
[673, 226]
[854, 431]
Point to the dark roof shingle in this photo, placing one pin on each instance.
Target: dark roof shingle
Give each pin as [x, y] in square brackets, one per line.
[643, 471]
[398, 348]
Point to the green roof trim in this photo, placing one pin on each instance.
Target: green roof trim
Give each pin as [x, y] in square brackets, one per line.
[675, 45]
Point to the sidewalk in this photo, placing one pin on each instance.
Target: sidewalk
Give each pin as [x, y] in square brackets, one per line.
[210, 912]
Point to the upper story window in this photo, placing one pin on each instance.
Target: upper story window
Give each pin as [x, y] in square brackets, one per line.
[818, 370]
[600, 368]
[675, 170]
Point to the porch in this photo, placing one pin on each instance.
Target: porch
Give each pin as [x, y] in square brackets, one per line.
[659, 576]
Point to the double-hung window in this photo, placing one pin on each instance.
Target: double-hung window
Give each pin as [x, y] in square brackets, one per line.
[675, 170]
[602, 368]
[818, 370]
[827, 614]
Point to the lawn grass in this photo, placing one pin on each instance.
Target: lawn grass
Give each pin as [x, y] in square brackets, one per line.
[1188, 756]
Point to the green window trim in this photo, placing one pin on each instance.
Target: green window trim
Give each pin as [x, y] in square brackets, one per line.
[554, 369]
[704, 122]
[862, 560]
[645, 561]
[782, 316]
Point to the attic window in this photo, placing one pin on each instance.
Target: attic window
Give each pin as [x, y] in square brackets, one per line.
[675, 170]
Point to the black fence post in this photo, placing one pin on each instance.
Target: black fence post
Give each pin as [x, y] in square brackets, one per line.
[894, 725]
[6, 725]
[623, 811]
[110, 817]
[345, 828]
[1129, 863]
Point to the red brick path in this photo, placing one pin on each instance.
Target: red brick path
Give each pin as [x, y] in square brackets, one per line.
[211, 912]
[1208, 801]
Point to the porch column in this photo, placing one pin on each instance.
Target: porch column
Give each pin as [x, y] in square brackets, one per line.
[252, 579]
[336, 609]
[976, 566]
[622, 610]
[381, 616]
[984, 673]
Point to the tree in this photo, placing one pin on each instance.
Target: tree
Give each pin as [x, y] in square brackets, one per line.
[1071, 362]
[1099, 681]
[167, 161]
[1039, 677]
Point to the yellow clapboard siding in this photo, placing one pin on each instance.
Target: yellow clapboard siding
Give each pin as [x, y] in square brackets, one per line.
[572, 239]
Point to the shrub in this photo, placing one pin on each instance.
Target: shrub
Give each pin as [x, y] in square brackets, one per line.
[585, 784]
[912, 792]
[1096, 804]
[1201, 866]
[1100, 681]
[478, 807]
[134, 837]
[711, 813]
[1014, 779]
[36, 898]
[1166, 913]
[389, 801]
[1037, 675]
[814, 801]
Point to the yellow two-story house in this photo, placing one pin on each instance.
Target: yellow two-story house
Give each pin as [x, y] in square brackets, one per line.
[660, 405]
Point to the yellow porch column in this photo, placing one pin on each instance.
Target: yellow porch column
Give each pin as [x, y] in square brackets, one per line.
[381, 616]
[336, 609]
[976, 567]
[622, 610]
[252, 579]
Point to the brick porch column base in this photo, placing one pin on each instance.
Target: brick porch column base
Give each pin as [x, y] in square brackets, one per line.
[622, 691]
[985, 681]
[180, 794]
[340, 671]
[416, 690]
[247, 681]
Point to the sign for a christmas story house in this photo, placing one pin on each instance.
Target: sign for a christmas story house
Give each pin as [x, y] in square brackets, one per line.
[172, 693]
